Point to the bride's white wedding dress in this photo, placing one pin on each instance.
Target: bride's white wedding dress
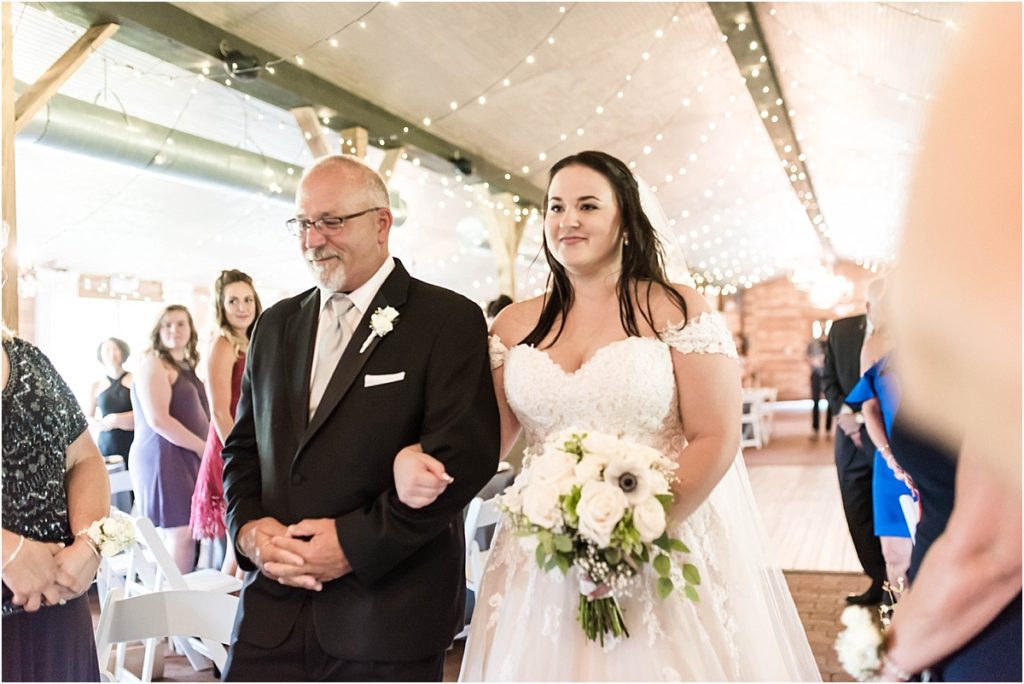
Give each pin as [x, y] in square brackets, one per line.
[745, 626]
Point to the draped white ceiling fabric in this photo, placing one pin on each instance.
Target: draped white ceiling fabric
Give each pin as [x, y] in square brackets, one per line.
[652, 83]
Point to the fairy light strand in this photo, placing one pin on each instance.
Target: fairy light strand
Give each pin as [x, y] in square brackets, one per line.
[546, 40]
[613, 95]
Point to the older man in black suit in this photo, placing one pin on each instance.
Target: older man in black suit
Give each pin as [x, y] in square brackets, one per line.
[854, 450]
[352, 585]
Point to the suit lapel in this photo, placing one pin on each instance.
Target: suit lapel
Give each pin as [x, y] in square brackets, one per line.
[299, 340]
[393, 292]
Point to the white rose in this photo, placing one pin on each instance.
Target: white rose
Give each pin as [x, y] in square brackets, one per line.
[540, 504]
[632, 475]
[600, 509]
[649, 520]
[659, 484]
[512, 498]
[602, 446]
[556, 467]
[589, 468]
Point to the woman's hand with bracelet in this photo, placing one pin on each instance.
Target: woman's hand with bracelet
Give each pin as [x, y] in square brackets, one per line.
[76, 567]
[31, 572]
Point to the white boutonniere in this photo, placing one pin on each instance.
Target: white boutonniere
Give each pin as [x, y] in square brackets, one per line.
[381, 323]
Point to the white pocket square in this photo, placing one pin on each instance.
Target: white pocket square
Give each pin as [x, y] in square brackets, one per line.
[370, 380]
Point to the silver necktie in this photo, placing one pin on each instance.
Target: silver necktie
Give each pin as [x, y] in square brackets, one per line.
[333, 333]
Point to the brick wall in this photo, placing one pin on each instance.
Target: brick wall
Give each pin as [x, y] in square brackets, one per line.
[776, 318]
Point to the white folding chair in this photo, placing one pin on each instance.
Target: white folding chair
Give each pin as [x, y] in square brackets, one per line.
[149, 617]
[767, 396]
[480, 515]
[151, 568]
[148, 567]
[750, 422]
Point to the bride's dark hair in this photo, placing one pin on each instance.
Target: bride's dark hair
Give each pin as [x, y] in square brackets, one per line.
[643, 259]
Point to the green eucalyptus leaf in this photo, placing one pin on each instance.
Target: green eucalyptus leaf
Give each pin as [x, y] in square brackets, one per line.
[691, 574]
[691, 593]
[664, 587]
[679, 546]
[662, 565]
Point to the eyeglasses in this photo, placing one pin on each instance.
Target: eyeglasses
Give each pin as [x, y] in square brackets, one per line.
[327, 225]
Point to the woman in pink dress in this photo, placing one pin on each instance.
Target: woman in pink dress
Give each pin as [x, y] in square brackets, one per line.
[236, 307]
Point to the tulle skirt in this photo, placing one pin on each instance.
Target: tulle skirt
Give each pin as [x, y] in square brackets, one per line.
[744, 627]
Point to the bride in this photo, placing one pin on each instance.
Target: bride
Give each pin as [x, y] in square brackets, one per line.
[614, 347]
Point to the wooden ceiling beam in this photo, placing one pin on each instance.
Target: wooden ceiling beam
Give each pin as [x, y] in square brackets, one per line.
[10, 261]
[40, 92]
[175, 36]
[355, 140]
[309, 124]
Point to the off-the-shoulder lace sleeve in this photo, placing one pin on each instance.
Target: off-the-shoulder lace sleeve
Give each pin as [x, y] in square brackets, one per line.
[498, 351]
[703, 334]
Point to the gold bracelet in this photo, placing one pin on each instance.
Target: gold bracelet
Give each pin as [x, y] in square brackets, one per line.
[84, 534]
[17, 549]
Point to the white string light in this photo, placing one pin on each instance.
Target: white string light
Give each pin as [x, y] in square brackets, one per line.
[618, 93]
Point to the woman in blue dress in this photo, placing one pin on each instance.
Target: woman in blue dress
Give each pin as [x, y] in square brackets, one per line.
[879, 393]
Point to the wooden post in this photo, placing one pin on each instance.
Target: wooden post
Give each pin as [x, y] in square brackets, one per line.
[10, 261]
[36, 97]
[309, 123]
[355, 140]
[505, 234]
[390, 161]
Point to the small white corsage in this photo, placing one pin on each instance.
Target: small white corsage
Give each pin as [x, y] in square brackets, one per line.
[859, 646]
[381, 323]
[110, 536]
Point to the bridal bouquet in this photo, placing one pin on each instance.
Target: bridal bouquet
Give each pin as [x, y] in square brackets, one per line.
[599, 503]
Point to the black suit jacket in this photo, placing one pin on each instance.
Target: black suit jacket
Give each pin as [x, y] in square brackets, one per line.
[404, 598]
[842, 360]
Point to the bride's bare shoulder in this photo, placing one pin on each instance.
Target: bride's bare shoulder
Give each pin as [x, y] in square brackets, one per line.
[516, 320]
[665, 309]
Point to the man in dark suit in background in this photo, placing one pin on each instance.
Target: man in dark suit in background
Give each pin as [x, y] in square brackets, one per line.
[854, 450]
[352, 585]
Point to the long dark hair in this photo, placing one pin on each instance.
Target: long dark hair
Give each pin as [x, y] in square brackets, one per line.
[220, 314]
[643, 258]
[191, 347]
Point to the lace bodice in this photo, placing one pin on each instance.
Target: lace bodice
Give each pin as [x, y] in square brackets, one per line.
[628, 387]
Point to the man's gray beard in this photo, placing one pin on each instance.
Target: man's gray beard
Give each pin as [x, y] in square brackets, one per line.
[333, 282]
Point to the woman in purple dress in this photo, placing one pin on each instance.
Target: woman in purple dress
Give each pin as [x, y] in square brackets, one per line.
[171, 422]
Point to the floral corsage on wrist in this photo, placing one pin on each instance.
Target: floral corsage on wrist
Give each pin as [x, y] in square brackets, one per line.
[109, 536]
[861, 647]
[381, 323]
